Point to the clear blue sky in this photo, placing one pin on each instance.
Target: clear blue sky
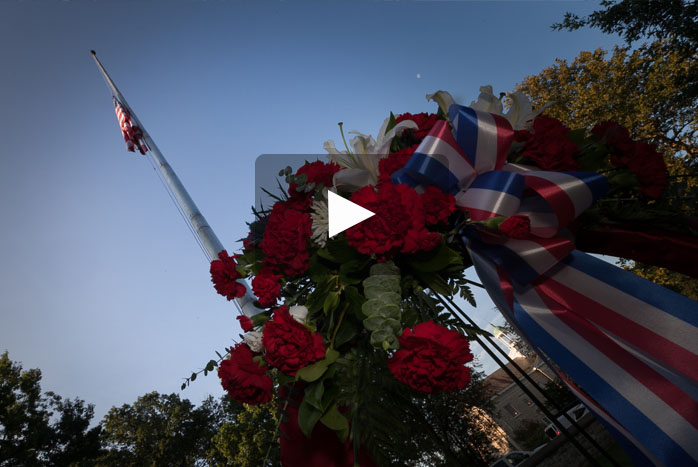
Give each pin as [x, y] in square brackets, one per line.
[102, 287]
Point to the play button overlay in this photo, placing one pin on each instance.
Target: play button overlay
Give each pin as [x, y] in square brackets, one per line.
[343, 213]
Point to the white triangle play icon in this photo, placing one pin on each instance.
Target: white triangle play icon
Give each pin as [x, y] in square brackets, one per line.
[343, 213]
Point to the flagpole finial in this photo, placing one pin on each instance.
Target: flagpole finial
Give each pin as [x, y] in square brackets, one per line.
[93, 52]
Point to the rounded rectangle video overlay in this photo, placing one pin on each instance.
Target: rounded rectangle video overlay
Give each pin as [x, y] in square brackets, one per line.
[301, 192]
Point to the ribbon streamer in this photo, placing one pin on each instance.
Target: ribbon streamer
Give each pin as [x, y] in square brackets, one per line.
[630, 345]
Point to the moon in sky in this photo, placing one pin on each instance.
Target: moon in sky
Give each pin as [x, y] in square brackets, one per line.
[419, 75]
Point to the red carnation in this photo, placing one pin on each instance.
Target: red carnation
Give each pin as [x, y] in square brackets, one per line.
[285, 238]
[245, 323]
[244, 379]
[642, 159]
[648, 165]
[225, 277]
[432, 358]
[266, 287]
[290, 345]
[615, 134]
[317, 172]
[438, 205]
[399, 223]
[517, 226]
[549, 147]
[425, 122]
[521, 136]
[394, 162]
[650, 168]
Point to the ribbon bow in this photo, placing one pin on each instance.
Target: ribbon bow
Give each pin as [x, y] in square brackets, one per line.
[472, 166]
[630, 344]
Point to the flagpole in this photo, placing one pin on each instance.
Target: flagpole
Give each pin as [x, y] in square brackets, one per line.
[203, 230]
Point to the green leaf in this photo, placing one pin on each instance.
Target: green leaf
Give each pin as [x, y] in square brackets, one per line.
[382, 283]
[374, 323]
[184, 386]
[355, 300]
[340, 250]
[330, 396]
[373, 293]
[284, 379]
[378, 336]
[350, 272]
[346, 332]
[331, 355]
[386, 268]
[331, 302]
[314, 393]
[259, 319]
[435, 282]
[325, 254]
[308, 416]
[317, 298]
[392, 123]
[317, 271]
[577, 136]
[312, 372]
[436, 260]
[389, 310]
[337, 422]
[193, 377]
[390, 297]
[371, 307]
[467, 294]
[315, 370]
[624, 179]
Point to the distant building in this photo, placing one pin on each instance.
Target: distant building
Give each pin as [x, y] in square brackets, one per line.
[512, 405]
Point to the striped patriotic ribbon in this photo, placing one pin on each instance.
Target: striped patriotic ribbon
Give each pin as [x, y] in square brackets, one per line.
[133, 136]
[630, 345]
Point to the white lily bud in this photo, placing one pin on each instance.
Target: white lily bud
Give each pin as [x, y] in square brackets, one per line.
[253, 339]
[299, 313]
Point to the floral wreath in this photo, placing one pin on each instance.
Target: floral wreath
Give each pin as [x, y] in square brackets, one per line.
[367, 296]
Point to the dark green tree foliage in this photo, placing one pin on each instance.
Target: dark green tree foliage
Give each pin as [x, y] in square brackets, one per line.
[643, 90]
[673, 20]
[530, 434]
[560, 395]
[519, 343]
[246, 436]
[75, 443]
[42, 429]
[158, 430]
[24, 415]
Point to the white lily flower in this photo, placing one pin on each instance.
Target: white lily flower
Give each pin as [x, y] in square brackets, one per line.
[253, 339]
[520, 113]
[299, 313]
[444, 99]
[361, 164]
[488, 102]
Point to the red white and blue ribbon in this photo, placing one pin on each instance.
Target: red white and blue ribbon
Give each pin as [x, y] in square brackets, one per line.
[629, 344]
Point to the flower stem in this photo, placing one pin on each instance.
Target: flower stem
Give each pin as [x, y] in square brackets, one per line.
[339, 323]
[341, 130]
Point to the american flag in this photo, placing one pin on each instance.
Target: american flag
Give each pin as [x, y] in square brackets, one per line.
[132, 133]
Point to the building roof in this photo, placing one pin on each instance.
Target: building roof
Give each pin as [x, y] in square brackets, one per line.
[499, 380]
